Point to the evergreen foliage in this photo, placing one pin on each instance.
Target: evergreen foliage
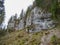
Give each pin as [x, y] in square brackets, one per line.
[55, 40]
[54, 6]
[2, 12]
[2, 33]
[48, 5]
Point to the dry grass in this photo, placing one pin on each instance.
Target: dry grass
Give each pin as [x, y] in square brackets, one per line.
[21, 38]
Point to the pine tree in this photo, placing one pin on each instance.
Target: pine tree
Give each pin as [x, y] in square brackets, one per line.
[48, 5]
[54, 6]
[22, 14]
[2, 11]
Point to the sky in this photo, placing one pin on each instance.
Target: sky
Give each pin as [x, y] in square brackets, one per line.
[15, 6]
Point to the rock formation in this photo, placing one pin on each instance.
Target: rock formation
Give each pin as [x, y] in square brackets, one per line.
[12, 22]
[34, 20]
[40, 19]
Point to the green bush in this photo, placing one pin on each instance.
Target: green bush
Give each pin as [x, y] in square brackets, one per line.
[10, 30]
[2, 32]
[48, 5]
[55, 40]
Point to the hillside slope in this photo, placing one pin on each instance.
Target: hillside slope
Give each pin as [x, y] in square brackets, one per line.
[24, 38]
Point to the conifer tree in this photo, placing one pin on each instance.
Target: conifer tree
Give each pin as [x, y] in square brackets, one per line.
[48, 5]
[2, 11]
[22, 14]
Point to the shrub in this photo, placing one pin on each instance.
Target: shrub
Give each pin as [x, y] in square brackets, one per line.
[55, 40]
[2, 32]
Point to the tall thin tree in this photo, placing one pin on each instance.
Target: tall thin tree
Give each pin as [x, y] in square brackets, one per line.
[2, 12]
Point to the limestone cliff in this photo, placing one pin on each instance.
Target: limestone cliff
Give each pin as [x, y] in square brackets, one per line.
[35, 19]
[40, 19]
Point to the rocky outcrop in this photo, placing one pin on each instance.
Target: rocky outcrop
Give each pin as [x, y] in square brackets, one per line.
[21, 20]
[35, 20]
[40, 20]
[12, 22]
[16, 23]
